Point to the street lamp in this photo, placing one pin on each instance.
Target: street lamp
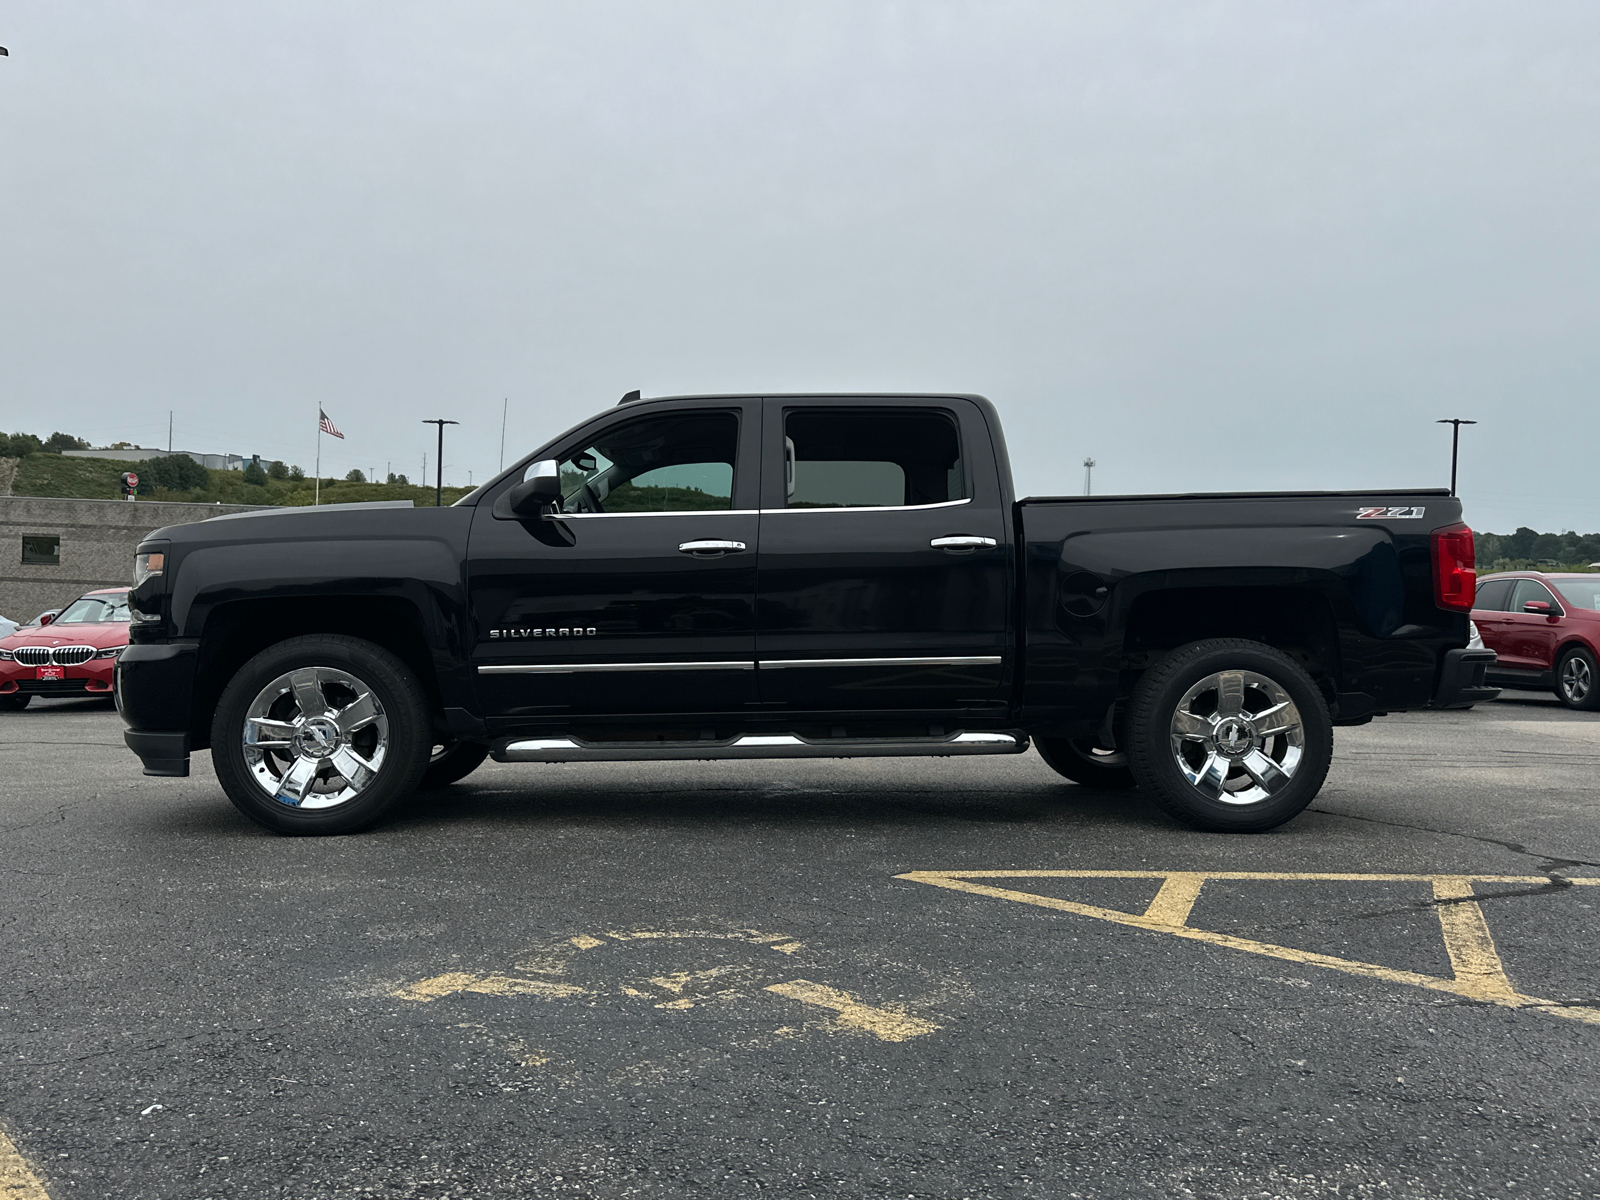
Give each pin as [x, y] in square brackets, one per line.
[438, 487]
[1088, 470]
[1455, 424]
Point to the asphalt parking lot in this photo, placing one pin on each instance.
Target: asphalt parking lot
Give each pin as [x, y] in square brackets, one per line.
[902, 978]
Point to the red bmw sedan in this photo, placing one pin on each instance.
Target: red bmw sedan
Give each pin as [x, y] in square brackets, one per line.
[74, 655]
[1546, 630]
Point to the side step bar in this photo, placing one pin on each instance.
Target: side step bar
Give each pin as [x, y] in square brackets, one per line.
[755, 745]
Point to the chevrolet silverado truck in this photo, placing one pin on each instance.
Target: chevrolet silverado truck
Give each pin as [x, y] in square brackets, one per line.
[711, 577]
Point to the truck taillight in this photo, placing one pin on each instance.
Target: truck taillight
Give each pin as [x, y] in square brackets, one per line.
[1455, 572]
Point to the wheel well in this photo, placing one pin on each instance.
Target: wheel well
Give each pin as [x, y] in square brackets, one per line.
[1571, 644]
[1297, 621]
[234, 633]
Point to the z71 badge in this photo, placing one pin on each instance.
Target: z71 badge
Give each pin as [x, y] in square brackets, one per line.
[1389, 514]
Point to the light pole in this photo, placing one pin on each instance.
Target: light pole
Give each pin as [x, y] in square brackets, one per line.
[438, 487]
[1088, 470]
[1455, 424]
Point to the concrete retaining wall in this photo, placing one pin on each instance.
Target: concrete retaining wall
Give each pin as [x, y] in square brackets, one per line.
[98, 538]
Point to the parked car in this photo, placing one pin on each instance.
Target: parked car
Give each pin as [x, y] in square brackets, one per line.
[1545, 630]
[73, 653]
[785, 577]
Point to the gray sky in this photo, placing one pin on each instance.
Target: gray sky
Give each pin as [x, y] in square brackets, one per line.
[1218, 246]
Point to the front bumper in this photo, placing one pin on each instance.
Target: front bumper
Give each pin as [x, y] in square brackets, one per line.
[93, 678]
[155, 694]
[1461, 679]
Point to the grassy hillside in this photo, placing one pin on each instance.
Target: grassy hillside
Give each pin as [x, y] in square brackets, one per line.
[97, 479]
[73, 478]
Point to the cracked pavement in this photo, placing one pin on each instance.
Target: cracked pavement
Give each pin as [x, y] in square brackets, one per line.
[685, 979]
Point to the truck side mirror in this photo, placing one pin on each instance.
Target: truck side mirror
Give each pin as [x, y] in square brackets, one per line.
[540, 488]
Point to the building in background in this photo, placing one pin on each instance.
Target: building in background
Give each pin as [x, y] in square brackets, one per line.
[216, 462]
[52, 551]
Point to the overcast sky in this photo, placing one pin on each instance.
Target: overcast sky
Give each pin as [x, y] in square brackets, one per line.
[1217, 246]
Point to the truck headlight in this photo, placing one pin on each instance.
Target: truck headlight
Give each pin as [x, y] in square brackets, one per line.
[152, 562]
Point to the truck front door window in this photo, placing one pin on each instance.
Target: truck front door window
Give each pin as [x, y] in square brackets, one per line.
[675, 463]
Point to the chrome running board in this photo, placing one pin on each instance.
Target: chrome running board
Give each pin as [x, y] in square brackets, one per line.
[755, 745]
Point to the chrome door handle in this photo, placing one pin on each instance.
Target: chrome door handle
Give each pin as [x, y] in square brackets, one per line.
[965, 541]
[710, 546]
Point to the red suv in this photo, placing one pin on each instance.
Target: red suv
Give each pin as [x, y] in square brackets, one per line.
[1546, 630]
[74, 654]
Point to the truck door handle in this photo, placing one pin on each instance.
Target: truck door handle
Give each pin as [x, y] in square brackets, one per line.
[961, 543]
[710, 547]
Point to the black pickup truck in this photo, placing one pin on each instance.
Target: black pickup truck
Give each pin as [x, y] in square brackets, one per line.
[791, 576]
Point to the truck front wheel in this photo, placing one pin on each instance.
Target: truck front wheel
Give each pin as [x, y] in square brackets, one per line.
[1229, 735]
[320, 734]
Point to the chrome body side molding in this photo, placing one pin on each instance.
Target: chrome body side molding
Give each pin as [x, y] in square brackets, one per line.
[572, 668]
[783, 664]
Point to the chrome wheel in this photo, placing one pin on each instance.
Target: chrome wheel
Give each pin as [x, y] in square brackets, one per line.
[315, 737]
[1576, 678]
[1237, 737]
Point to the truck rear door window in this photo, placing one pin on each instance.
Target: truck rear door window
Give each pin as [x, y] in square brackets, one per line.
[849, 458]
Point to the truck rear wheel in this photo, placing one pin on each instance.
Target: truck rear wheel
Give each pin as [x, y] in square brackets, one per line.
[320, 734]
[1081, 761]
[1229, 735]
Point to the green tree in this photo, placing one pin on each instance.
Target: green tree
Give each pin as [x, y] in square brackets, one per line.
[277, 470]
[19, 445]
[58, 441]
[355, 476]
[175, 472]
[1520, 543]
[296, 474]
[1546, 545]
[254, 475]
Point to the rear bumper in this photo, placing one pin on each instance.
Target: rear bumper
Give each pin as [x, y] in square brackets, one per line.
[155, 690]
[1461, 679]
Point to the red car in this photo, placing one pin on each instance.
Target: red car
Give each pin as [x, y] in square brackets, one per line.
[1546, 630]
[75, 654]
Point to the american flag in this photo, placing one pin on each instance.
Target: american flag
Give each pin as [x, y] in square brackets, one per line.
[328, 426]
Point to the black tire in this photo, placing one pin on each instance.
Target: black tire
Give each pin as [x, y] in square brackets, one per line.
[451, 762]
[1081, 761]
[375, 722]
[1578, 680]
[14, 702]
[1206, 769]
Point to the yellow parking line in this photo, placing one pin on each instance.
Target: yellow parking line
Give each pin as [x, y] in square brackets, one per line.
[17, 1180]
[886, 1024]
[1175, 900]
[1477, 971]
[425, 990]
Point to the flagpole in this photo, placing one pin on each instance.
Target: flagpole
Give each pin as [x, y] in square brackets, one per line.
[317, 492]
